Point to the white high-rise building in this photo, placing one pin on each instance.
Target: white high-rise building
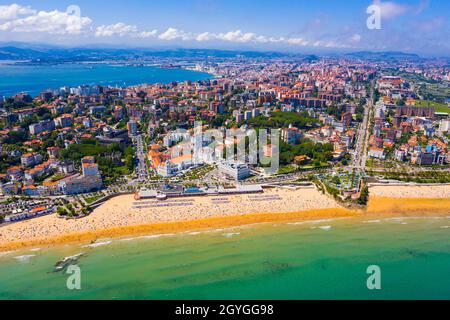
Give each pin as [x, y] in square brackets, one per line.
[236, 171]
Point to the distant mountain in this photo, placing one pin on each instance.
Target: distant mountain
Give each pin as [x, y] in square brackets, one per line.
[14, 53]
[388, 55]
[41, 54]
[51, 54]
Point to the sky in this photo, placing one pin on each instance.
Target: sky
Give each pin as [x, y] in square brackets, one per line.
[309, 26]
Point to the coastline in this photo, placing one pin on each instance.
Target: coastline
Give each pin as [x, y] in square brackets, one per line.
[436, 203]
[179, 227]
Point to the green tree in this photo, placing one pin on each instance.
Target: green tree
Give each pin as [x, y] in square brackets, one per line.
[364, 197]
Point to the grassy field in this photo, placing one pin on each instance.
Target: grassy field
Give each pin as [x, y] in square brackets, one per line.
[287, 169]
[93, 199]
[438, 106]
[437, 90]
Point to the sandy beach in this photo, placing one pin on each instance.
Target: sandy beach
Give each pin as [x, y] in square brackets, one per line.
[125, 211]
[409, 200]
[124, 215]
[402, 191]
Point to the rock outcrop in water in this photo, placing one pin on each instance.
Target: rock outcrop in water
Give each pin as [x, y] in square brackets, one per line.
[67, 261]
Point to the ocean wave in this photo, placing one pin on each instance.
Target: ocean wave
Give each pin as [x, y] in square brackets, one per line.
[394, 219]
[316, 221]
[99, 244]
[325, 228]
[25, 257]
[231, 234]
[151, 236]
[372, 221]
[129, 239]
[156, 236]
[324, 220]
[251, 225]
[298, 223]
[75, 256]
[2, 254]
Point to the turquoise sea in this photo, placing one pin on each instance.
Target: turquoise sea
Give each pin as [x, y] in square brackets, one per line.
[307, 260]
[34, 79]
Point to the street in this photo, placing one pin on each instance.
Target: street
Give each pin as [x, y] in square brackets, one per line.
[362, 140]
[141, 168]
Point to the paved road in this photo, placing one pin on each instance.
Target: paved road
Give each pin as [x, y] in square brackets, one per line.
[362, 140]
[141, 169]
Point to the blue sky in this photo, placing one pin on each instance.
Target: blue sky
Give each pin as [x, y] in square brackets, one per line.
[420, 26]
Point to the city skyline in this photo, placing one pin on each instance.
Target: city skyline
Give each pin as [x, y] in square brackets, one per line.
[410, 26]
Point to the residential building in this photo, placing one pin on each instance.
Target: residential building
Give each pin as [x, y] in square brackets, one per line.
[291, 135]
[425, 159]
[64, 121]
[30, 159]
[41, 126]
[132, 127]
[377, 153]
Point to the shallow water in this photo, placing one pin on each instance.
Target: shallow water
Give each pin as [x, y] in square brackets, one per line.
[306, 260]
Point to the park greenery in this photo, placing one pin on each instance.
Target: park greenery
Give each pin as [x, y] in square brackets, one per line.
[437, 106]
[283, 120]
[318, 153]
[114, 160]
[437, 176]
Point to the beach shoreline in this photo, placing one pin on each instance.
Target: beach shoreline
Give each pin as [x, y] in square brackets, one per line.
[204, 215]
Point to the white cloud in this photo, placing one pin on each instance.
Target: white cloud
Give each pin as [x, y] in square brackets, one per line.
[206, 36]
[237, 36]
[147, 34]
[298, 41]
[17, 18]
[52, 22]
[330, 44]
[355, 38]
[119, 29]
[175, 34]
[13, 11]
[390, 9]
[232, 36]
